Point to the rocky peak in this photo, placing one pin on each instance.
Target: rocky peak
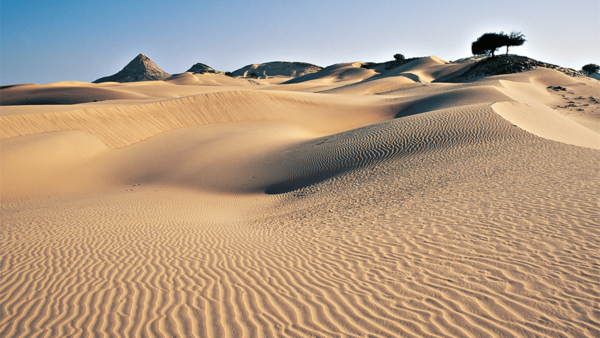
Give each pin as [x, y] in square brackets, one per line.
[141, 68]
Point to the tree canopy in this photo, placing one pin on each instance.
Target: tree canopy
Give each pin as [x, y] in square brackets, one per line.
[590, 68]
[514, 39]
[489, 43]
[486, 44]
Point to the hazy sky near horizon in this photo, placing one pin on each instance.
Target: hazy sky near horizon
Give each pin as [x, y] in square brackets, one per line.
[45, 41]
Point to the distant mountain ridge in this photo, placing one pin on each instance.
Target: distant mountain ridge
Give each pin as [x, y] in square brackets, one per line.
[201, 68]
[276, 68]
[141, 68]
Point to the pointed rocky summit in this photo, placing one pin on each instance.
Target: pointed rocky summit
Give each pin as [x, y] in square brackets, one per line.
[139, 69]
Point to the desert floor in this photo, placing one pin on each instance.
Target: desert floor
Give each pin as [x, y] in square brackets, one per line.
[352, 204]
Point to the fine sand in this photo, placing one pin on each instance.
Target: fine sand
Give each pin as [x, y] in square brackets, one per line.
[346, 202]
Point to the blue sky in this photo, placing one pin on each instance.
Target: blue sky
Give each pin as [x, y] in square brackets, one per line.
[45, 41]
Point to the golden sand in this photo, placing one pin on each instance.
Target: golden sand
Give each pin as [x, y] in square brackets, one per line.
[349, 204]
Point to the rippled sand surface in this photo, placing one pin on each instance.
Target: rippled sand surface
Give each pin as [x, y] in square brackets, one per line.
[346, 204]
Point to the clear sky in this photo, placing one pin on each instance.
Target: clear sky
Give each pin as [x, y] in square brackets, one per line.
[45, 41]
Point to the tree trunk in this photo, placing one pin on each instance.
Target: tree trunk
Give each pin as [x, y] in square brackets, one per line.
[506, 50]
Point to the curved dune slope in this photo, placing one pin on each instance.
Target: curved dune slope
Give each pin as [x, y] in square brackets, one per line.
[123, 125]
[54, 163]
[70, 92]
[335, 73]
[313, 161]
[545, 122]
[372, 86]
[271, 157]
[423, 70]
[44, 95]
[206, 79]
[202, 153]
[452, 97]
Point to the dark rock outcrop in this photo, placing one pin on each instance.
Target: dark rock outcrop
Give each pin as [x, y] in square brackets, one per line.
[200, 68]
[388, 65]
[276, 68]
[501, 65]
[139, 69]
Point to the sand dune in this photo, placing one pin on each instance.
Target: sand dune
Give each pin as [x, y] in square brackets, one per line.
[544, 122]
[45, 95]
[349, 202]
[351, 71]
[124, 125]
[69, 93]
[206, 79]
[351, 78]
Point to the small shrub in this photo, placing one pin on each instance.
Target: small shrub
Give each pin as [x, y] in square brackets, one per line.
[368, 65]
[590, 68]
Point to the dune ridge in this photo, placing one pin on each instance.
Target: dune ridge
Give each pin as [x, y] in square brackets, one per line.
[331, 155]
[124, 125]
[542, 121]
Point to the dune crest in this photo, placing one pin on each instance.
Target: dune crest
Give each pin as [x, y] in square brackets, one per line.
[544, 122]
[127, 124]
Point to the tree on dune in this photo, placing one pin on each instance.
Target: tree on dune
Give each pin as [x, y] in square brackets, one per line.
[489, 43]
[590, 68]
[399, 60]
[399, 57]
[514, 39]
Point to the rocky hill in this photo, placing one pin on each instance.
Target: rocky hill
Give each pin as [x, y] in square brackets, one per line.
[276, 68]
[508, 65]
[201, 68]
[141, 68]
